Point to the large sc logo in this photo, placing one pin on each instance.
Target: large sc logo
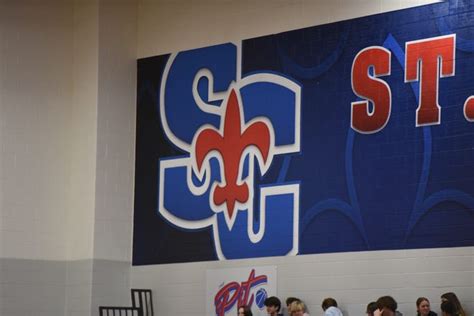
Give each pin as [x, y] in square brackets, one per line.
[231, 128]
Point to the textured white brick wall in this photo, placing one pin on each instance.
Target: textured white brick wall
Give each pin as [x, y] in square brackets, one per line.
[354, 279]
[166, 26]
[35, 115]
[35, 89]
[116, 130]
[115, 153]
[83, 151]
[83, 142]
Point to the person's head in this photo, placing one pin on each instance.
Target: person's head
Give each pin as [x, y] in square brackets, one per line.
[451, 297]
[273, 305]
[387, 305]
[328, 302]
[448, 308]
[290, 300]
[371, 307]
[244, 310]
[422, 306]
[296, 308]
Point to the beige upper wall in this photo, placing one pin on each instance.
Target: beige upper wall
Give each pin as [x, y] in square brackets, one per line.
[166, 26]
[49, 98]
[83, 144]
[35, 115]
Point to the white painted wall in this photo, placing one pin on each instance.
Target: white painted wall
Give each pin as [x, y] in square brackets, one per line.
[35, 113]
[83, 152]
[115, 130]
[83, 141]
[353, 279]
[166, 26]
[35, 91]
[115, 153]
[67, 113]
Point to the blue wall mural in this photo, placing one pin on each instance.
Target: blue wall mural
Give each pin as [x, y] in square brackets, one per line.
[350, 136]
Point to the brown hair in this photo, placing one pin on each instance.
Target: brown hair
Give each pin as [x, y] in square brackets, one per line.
[449, 308]
[371, 307]
[247, 310]
[451, 297]
[418, 303]
[421, 299]
[328, 302]
[273, 301]
[387, 302]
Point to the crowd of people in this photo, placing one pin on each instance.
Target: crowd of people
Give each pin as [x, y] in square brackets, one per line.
[384, 306]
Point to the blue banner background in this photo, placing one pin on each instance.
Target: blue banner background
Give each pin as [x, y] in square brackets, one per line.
[403, 187]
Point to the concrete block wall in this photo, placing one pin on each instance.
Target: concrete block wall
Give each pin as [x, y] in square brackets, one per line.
[115, 154]
[353, 279]
[83, 149]
[62, 250]
[35, 113]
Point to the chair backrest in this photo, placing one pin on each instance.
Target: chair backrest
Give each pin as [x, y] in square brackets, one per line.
[120, 311]
[143, 299]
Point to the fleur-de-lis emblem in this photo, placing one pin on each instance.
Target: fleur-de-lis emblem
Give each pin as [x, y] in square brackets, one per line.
[231, 143]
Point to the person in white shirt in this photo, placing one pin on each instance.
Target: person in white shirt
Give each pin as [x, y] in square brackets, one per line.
[330, 308]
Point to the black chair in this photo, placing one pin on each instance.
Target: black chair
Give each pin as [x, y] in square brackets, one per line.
[120, 311]
[143, 300]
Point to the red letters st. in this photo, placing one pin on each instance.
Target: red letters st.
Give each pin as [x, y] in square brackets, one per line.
[423, 60]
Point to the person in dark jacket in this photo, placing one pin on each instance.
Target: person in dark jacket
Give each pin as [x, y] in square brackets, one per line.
[273, 305]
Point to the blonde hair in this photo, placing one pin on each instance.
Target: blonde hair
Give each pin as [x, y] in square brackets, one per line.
[296, 306]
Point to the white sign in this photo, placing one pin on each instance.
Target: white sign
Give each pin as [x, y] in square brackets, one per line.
[227, 289]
